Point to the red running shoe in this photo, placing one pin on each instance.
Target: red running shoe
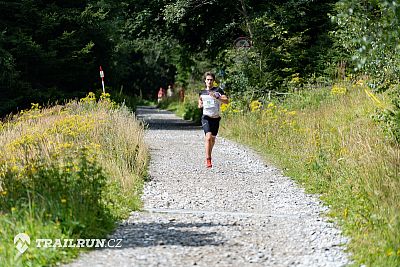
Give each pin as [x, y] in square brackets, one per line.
[208, 163]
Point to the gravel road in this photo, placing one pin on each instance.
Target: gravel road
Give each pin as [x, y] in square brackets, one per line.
[242, 212]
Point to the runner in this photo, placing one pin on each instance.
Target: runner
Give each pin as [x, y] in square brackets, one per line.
[210, 100]
[161, 95]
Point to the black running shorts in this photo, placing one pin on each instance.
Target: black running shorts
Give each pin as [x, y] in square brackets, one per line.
[210, 124]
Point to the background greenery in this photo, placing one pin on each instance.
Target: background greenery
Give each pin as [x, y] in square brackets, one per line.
[50, 51]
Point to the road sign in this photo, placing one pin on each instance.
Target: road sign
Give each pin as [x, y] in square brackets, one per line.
[242, 42]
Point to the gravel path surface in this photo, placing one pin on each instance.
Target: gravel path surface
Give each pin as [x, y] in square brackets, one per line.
[239, 213]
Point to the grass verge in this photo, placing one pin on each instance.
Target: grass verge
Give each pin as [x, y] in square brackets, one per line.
[67, 172]
[326, 140]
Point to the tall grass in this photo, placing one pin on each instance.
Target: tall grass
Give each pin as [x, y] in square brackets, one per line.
[67, 172]
[326, 140]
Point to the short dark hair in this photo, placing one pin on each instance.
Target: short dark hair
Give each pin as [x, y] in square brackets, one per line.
[208, 73]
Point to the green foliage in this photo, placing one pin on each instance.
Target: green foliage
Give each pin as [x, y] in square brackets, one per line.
[52, 51]
[143, 45]
[243, 74]
[49, 51]
[368, 30]
[390, 116]
[30, 222]
[71, 198]
[191, 111]
[290, 43]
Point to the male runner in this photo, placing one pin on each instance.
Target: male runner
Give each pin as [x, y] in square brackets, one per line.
[210, 100]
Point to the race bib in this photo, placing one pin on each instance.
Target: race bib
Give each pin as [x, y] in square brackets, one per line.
[209, 102]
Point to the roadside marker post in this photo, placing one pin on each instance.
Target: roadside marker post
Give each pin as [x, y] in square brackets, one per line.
[102, 79]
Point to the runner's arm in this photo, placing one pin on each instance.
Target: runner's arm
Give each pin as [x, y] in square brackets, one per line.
[200, 103]
[224, 99]
[220, 96]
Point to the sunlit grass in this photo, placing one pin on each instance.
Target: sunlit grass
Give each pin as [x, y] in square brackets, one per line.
[68, 172]
[326, 140]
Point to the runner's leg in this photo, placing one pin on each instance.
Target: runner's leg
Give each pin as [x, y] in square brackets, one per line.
[209, 144]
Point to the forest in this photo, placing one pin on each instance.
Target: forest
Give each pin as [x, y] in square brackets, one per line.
[313, 85]
[52, 50]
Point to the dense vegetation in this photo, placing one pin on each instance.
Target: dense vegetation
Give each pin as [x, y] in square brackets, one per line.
[52, 50]
[67, 172]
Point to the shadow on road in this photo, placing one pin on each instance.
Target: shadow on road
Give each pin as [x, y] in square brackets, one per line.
[157, 119]
[168, 234]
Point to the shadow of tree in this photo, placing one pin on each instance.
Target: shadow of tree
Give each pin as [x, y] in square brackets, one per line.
[168, 234]
[152, 119]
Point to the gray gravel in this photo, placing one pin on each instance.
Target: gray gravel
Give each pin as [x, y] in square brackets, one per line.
[242, 212]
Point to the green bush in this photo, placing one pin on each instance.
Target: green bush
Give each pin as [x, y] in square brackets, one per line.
[72, 198]
[192, 112]
[390, 116]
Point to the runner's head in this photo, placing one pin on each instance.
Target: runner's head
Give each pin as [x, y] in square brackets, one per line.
[209, 79]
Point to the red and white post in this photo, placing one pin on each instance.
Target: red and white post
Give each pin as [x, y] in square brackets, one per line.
[102, 79]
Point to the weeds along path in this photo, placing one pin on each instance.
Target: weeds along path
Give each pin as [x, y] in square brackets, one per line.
[239, 213]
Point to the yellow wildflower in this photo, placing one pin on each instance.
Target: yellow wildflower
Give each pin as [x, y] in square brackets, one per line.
[345, 212]
[105, 96]
[255, 105]
[14, 168]
[90, 98]
[225, 107]
[338, 90]
[35, 106]
[360, 82]
[389, 252]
